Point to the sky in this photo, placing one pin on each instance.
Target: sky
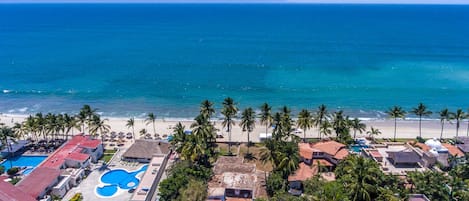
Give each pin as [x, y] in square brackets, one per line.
[246, 1]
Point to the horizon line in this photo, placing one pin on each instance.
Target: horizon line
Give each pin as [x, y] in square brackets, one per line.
[343, 2]
[246, 3]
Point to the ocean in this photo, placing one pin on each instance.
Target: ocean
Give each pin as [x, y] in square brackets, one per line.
[130, 59]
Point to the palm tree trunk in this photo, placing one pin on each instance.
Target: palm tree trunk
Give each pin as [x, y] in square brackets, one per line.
[395, 128]
[354, 133]
[442, 125]
[154, 130]
[229, 139]
[420, 126]
[319, 130]
[457, 128]
[249, 144]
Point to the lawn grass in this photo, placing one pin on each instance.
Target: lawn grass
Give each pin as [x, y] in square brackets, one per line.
[110, 151]
[108, 154]
[107, 157]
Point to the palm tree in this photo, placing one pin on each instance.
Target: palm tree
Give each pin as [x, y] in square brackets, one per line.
[6, 135]
[131, 124]
[248, 122]
[229, 112]
[320, 117]
[325, 128]
[458, 116]
[421, 111]
[373, 132]
[143, 132]
[206, 108]
[395, 113]
[151, 118]
[267, 153]
[305, 121]
[357, 125]
[266, 116]
[98, 125]
[87, 112]
[179, 137]
[360, 175]
[340, 124]
[81, 121]
[19, 130]
[445, 115]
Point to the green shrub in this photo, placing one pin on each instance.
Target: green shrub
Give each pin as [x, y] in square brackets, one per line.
[77, 197]
[2, 169]
[275, 184]
[12, 171]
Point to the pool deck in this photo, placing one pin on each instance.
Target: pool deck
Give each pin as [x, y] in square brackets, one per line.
[88, 186]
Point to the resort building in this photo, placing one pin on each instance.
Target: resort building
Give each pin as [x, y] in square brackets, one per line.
[8, 192]
[64, 169]
[144, 150]
[234, 180]
[147, 188]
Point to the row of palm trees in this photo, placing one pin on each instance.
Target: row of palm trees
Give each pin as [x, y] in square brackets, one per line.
[55, 125]
[421, 111]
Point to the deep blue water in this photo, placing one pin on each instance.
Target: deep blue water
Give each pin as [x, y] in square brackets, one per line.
[131, 59]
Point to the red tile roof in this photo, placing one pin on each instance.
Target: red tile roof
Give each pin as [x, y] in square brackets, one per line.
[9, 192]
[71, 150]
[423, 146]
[78, 157]
[329, 147]
[453, 150]
[303, 173]
[38, 180]
[333, 148]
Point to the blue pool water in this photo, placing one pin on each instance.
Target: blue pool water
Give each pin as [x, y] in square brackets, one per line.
[22, 161]
[358, 148]
[119, 178]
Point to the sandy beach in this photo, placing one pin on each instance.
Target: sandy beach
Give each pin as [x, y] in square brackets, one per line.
[405, 128]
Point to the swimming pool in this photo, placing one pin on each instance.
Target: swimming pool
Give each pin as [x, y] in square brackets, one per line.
[118, 179]
[24, 161]
[358, 148]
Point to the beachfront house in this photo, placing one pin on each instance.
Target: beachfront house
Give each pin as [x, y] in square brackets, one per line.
[316, 157]
[326, 153]
[233, 180]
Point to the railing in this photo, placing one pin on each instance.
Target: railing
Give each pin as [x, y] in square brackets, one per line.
[154, 186]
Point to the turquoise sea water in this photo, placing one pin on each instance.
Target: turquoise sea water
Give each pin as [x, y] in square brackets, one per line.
[131, 59]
